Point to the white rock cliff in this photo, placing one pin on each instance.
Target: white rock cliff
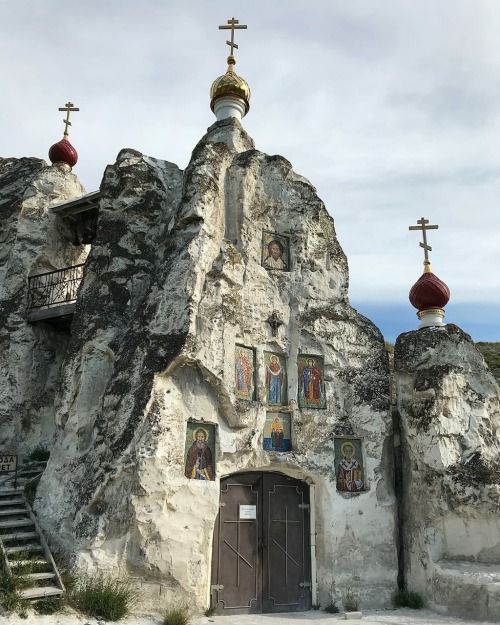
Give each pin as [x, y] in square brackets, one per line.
[174, 281]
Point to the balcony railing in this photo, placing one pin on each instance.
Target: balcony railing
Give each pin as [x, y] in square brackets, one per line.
[54, 288]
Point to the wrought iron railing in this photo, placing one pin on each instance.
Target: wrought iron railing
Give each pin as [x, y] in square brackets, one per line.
[55, 287]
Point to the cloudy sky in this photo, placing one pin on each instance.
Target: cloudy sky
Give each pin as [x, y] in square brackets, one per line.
[391, 108]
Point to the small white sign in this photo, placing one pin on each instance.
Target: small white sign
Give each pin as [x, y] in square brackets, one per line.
[8, 463]
[247, 512]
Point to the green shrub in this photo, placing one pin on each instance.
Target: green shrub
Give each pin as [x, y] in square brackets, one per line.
[210, 611]
[103, 596]
[39, 454]
[404, 598]
[177, 615]
[332, 608]
[350, 600]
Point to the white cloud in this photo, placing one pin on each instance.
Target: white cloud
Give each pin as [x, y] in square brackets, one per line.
[391, 109]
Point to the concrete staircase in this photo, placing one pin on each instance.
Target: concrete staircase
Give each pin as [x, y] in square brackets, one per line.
[23, 548]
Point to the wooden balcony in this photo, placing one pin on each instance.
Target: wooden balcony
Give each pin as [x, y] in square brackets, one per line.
[81, 217]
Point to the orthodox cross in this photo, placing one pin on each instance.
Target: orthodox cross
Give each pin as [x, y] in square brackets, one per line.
[68, 107]
[424, 227]
[233, 25]
[275, 322]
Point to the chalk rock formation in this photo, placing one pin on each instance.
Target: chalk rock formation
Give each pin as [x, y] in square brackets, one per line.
[450, 415]
[32, 240]
[174, 281]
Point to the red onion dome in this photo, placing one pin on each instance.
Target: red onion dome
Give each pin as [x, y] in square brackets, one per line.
[63, 152]
[429, 292]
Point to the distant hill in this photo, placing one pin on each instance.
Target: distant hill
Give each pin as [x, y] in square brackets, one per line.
[491, 354]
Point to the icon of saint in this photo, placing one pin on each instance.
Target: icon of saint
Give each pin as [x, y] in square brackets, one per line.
[349, 473]
[274, 380]
[275, 258]
[311, 382]
[243, 375]
[277, 434]
[199, 463]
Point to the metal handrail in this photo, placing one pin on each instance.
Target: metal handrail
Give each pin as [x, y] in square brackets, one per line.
[54, 287]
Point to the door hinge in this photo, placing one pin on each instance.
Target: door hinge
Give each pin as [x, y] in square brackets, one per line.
[217, 587]
[305, 506]
[305, 585]
[222, 504]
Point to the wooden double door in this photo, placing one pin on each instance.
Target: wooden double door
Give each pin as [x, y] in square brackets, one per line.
[261, 550]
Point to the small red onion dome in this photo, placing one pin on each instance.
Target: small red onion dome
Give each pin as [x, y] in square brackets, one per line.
[429, 292]
[63, 152]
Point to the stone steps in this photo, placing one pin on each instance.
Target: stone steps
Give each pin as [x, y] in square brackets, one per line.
[10, 502]
[24, 550]
[40, 592]
[12, 511]
[15, 523]
[18, 536]
[27, 547]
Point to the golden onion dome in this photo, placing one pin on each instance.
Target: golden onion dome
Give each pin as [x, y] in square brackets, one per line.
[230, 84]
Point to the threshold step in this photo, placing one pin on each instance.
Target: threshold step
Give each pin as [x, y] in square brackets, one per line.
[18, 536]
[41, 592]
[22, 548]
[16, 523]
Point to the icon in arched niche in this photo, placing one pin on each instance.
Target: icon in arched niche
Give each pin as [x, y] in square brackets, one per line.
[349, 465]
[275, 251]
[311, 381]
[200, 448]
[244, 372]
[276, 381]
[277, 431]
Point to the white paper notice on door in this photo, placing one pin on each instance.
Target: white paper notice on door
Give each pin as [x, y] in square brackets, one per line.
[247, 513]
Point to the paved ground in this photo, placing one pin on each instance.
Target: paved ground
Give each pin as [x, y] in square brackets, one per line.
[389, 617]
[386, 617]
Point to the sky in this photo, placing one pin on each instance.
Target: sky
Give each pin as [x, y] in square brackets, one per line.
[391, 109]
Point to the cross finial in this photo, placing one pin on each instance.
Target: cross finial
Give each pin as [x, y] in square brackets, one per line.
[424, 227]
[68, 107]
[233, 25]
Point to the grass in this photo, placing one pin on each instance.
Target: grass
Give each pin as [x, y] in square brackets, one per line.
[51, 605]
[177, 615]
[210, 611]
[10, 598]
[404, 598]
[103, 596]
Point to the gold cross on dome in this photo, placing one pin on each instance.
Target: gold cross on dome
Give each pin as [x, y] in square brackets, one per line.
[68, 107]
[233, 25]
[424, 227]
